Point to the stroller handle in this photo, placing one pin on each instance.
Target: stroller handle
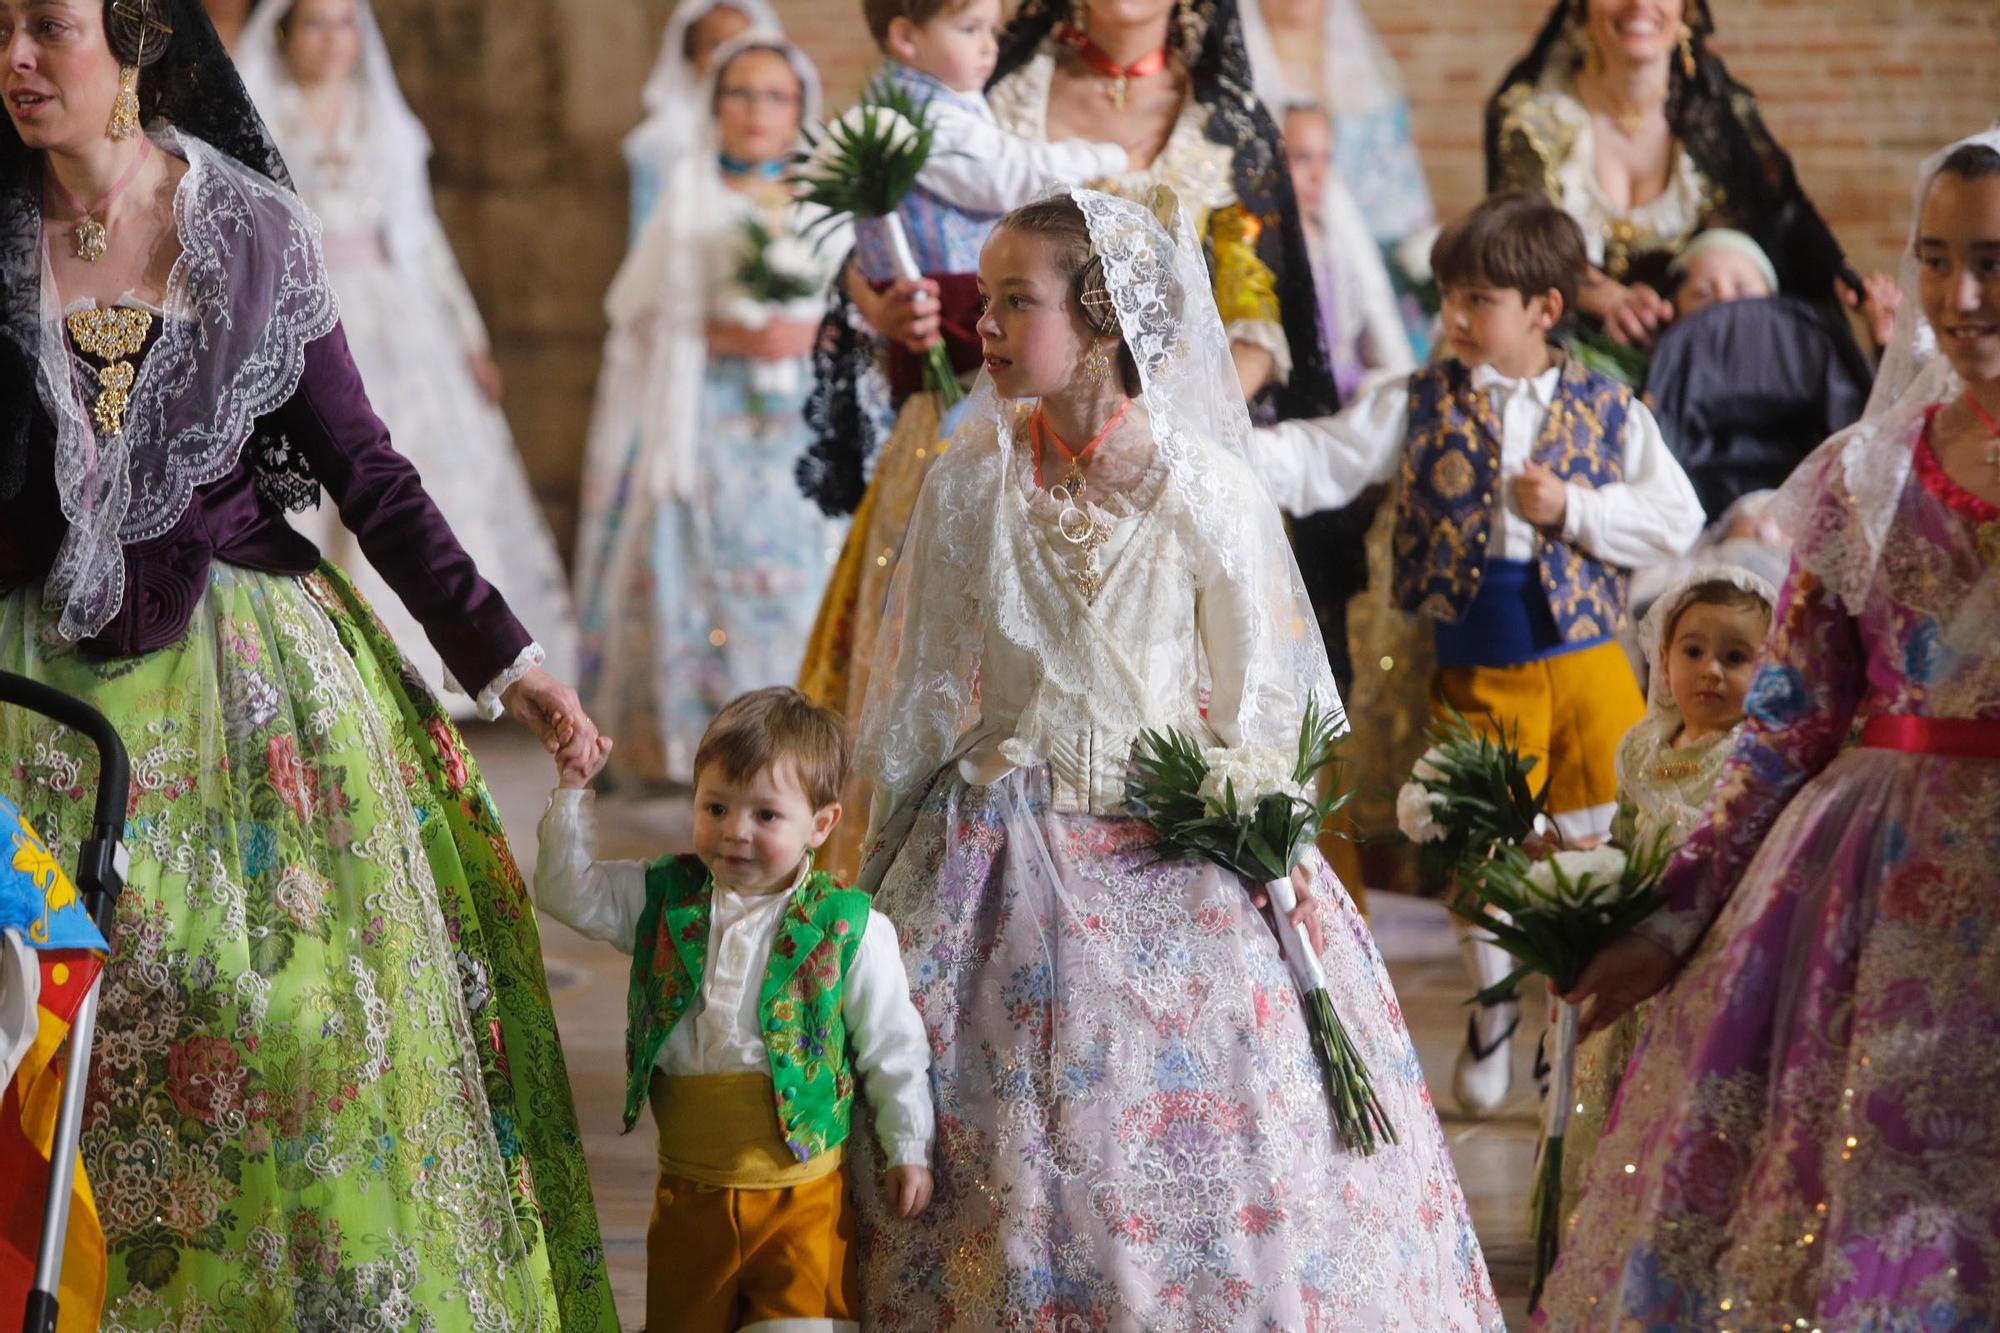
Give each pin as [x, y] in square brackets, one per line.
[98, 877]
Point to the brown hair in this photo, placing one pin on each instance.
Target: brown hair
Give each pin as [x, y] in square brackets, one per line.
[1059, 220]
[765, 727]
[1513, 240]
[1714, 592]
[880, 13]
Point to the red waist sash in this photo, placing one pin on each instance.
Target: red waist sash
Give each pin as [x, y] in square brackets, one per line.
[1957, 737]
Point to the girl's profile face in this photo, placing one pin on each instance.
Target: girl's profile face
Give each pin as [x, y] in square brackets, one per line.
[1958, 273]
[1033, 337]
[323, 41]
[757, 102]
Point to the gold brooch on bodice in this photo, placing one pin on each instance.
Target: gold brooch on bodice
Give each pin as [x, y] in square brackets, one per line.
[112, 334]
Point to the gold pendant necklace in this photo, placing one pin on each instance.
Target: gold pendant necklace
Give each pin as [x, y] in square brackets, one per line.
[89, 238]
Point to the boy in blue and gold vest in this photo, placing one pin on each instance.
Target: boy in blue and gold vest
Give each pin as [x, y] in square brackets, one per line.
[760, 990]
[1527, 486]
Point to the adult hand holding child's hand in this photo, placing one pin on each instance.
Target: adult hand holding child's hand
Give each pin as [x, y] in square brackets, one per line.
[909, 1189]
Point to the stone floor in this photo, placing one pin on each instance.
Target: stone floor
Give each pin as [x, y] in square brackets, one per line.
[1493, 1156]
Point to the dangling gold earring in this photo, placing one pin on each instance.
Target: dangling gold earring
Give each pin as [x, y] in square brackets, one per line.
[1687, 51]
[1097, 366]
[1193, 29]
[125, 107]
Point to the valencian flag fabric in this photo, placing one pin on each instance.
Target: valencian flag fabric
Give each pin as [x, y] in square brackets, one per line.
[40, 909]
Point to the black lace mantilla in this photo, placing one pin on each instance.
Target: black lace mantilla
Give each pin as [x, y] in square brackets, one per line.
[1212, 48]
[191, 84]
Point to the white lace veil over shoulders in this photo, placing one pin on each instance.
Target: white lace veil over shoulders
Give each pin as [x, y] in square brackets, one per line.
[246, 297]
[1841, 503]
[974, 579]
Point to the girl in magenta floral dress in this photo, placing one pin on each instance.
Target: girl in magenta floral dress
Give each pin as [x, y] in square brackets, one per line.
[1806, 1135]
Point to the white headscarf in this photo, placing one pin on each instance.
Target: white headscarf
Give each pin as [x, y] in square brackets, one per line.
[676, 112]
[392, 140]
[1840, 504]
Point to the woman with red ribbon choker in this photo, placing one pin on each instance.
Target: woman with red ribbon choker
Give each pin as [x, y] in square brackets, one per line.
[1790, 1137]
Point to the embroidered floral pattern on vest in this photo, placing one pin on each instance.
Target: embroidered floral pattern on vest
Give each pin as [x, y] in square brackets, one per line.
[798, 1001]
[1450, 492]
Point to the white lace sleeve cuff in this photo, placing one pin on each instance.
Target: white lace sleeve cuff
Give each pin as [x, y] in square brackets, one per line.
[1269, 335]
[488, 699]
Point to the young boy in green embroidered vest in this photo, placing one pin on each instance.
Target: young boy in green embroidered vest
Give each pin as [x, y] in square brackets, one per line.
[1527, 487]
[761, 990]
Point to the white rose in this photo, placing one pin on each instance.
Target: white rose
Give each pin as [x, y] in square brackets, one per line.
[1596, 865]
[1416, 813]
[880, 123]
[1425, 770]
[792, 257]
[1253, 773]
[744, 311]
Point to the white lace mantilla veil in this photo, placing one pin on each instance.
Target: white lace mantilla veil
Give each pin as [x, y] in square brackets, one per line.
[676, 112]
[656, 352]
[970, 561]
[246, 297]
[393, 140]
[1839, 505]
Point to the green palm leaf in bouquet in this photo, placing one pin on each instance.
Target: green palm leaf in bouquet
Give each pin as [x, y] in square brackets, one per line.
[1552, 916]
[1254, 812]
[860, 167]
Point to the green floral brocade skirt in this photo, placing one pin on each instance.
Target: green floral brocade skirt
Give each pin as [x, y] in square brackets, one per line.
[327, 1090]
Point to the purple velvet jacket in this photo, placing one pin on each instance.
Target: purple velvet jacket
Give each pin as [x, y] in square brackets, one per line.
[381, 499]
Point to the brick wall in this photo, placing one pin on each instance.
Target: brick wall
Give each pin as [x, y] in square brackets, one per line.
[527, 99]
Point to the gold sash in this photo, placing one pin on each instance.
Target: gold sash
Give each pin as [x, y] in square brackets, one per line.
[722, 1129]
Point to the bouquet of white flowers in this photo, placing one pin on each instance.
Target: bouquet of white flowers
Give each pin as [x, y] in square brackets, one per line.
[860, 167]
[1253, 812]
[1467, 796]
[1553, 916]
[778, 275]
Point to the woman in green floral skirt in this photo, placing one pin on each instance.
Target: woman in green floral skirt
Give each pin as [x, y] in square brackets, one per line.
[328, 1091]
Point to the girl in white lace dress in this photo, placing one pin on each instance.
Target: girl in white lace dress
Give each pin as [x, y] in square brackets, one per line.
[1133, 1130]
[321, 76]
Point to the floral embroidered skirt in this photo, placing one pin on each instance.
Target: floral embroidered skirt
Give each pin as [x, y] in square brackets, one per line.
[705, 597]
[327, 1091]
[1806, 1135]
[1132, 1127]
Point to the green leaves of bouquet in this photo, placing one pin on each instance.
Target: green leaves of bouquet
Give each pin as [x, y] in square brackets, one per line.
[1468, 797]
[863, 164]
[860, 167]
[773, 269]
[1561, 911]
[1239, 808]
[1253, 812]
